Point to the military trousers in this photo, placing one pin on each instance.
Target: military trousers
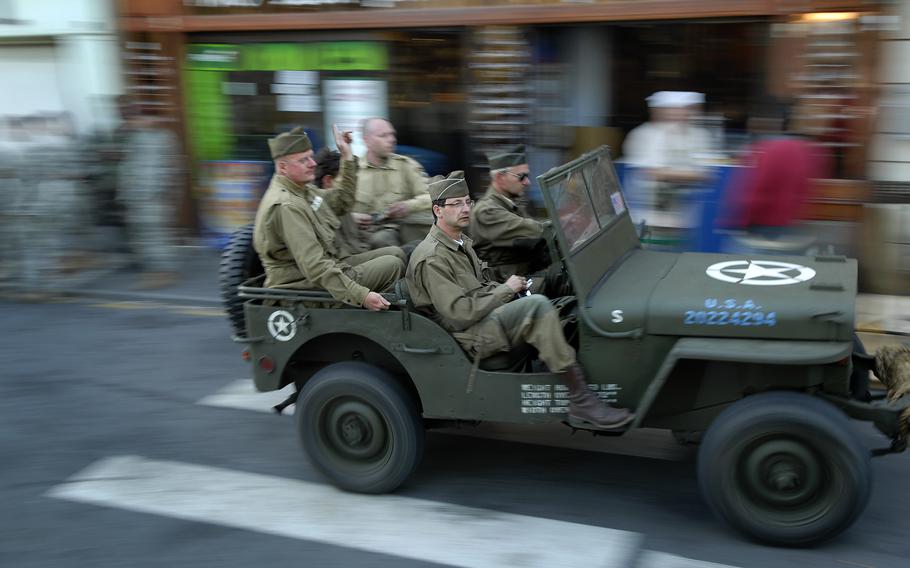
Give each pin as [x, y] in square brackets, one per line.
[360, 258]
[378, 274]
[413, 227]
[529, 320]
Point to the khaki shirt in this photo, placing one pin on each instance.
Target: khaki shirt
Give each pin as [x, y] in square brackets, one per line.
[399, 179]
[295, 239]
[496, 221]
[447, 282]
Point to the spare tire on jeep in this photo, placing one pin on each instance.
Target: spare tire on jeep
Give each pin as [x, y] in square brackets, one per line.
[239, 263]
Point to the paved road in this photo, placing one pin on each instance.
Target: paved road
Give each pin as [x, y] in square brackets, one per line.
[129, 437]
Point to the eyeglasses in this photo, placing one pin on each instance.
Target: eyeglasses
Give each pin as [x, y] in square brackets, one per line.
[521, 177]
[459, 204]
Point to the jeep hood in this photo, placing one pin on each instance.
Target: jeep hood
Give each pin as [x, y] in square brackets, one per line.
[712, 295]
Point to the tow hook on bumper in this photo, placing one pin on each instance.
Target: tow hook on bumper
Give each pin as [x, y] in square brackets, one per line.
[891, 417]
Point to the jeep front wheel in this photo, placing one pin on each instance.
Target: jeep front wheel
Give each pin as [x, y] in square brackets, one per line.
[360, 427]
[784, 468]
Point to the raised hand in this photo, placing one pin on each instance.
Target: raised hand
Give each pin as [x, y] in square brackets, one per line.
[343, 142]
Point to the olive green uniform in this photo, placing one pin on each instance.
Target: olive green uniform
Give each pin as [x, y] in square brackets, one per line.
[496, 223]
[352, 248]
[297, 244]
[400, 178]
[446, 282]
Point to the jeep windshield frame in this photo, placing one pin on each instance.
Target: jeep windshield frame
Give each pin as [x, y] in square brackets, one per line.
[594, 231]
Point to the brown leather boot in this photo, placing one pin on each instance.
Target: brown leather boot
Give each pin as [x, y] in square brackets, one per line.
[585, 406]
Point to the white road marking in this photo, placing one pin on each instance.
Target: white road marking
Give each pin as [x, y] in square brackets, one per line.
[243, 395]
[644, 443]
[652, 559]
[401, 526]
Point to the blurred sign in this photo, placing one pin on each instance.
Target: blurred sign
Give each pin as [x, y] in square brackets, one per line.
[348, 102]
[229, 193]
[287, 57]
[298, 91]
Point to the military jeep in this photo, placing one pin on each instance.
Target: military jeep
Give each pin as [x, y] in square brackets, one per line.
[755, 357]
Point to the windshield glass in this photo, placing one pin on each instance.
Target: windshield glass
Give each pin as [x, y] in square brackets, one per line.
[587, 200]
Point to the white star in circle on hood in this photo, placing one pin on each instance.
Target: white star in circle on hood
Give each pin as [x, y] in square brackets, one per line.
[760, 272]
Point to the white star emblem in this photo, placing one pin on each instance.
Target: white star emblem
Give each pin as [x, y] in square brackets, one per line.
[282, 325]
[760, 272]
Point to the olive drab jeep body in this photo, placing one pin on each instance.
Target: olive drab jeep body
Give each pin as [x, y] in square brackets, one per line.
[757, 355]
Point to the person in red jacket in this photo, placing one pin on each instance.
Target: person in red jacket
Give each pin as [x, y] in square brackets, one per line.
[772, 192]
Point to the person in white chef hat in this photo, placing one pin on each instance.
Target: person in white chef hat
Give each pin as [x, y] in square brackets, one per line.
[666, 152]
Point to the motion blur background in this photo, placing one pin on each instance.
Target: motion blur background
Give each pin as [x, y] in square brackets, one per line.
[457, 78]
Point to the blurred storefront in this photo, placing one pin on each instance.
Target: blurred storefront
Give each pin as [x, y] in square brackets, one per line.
[459, 77]
[60, 60]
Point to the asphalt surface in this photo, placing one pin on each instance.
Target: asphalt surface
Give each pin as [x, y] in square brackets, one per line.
[87, 380]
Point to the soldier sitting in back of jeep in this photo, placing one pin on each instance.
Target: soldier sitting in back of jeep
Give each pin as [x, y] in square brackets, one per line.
[293, 234]
[352, 247]
[446, 283]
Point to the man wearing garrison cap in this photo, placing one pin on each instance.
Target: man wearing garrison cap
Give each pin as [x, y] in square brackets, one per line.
[296, 242]
[448, 284]
[504, 235]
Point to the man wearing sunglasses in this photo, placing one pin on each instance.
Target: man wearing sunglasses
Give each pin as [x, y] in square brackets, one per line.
[449, 284]
[504, 235]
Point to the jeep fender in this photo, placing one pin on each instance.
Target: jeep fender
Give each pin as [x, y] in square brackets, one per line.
[754, 351]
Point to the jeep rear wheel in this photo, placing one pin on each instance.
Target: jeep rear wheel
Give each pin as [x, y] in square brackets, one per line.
[784, 468]
[360, 427]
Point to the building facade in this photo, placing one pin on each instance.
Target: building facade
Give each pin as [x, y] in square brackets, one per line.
[60, 58]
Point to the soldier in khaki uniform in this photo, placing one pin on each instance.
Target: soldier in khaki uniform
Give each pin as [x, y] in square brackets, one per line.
[295, 242]
[392, 206]
[504, 236]
[447, 282]
[352, 247]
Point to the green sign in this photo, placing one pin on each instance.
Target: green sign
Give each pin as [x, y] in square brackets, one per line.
[324, 56]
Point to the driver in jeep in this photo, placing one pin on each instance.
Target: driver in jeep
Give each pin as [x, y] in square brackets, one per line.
[446, 282]
[505, 236]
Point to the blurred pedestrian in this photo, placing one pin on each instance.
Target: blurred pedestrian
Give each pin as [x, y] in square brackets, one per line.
[771, 194]
[147, 177]
[11, 196]
[667, 151]
[54, 209]
[393, 205]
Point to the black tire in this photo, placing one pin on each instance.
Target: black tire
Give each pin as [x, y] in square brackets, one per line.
[239, 263]
[766, 441]
[360, 427]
